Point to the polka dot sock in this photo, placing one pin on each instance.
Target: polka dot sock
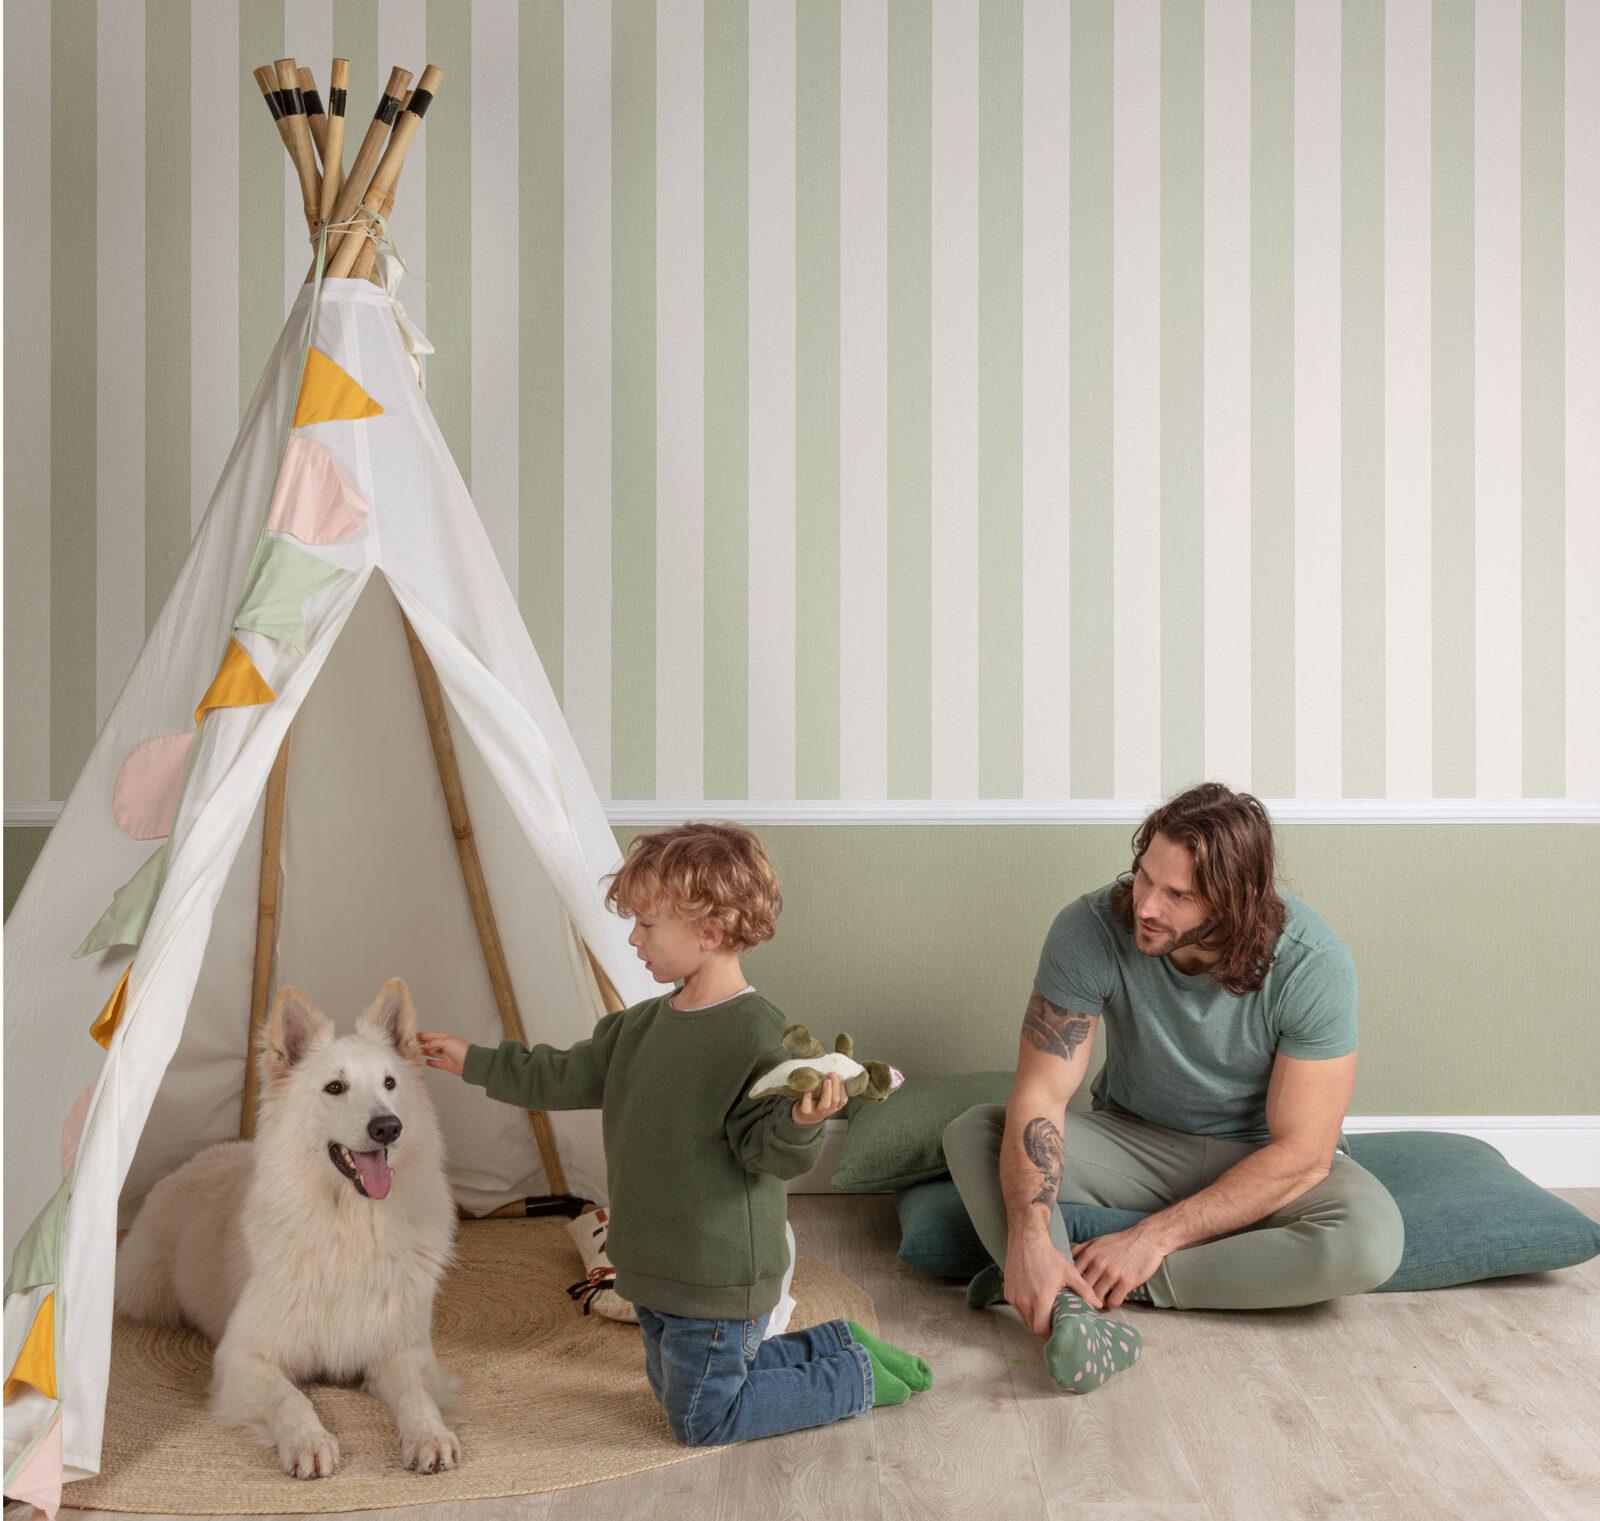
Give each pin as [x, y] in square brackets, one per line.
[1085, 1348]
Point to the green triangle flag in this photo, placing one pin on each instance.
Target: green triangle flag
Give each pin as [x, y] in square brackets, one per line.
[37, 1259]
[281, 578]
[131, 906]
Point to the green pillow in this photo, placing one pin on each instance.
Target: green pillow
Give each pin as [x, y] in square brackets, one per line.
[937, 1236]
[1468, 1214]
[895, 1142]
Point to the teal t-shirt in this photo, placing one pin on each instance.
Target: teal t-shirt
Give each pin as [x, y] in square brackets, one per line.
[1182, 1051]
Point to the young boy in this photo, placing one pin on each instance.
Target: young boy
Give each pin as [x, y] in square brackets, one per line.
[696, 1168]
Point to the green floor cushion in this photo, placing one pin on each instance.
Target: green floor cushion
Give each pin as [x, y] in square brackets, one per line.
[898, 1142]
[1468, 1214]
[937, 1236]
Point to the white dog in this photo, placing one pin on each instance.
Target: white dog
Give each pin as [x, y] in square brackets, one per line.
[314, 1251]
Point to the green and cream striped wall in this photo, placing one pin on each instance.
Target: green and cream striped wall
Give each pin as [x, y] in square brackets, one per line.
[882, 398]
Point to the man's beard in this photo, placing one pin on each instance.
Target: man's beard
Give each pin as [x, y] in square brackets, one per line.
[1171, 943]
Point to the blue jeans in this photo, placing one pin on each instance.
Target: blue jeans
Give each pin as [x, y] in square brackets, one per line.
[718, 1381]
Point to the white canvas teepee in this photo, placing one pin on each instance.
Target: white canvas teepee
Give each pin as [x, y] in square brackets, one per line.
[340, 519]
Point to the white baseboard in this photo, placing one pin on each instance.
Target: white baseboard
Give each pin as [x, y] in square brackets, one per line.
[820, 1179]
[1555, 1150]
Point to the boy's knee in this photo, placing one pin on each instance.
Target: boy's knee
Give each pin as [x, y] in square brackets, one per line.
[686, 1436]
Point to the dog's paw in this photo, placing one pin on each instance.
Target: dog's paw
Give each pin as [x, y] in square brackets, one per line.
[313, 1455]
[430, 1451]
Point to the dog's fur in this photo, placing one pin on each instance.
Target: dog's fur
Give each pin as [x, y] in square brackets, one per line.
[275, 1252]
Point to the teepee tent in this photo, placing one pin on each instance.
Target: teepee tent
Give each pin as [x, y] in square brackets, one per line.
[337, 760]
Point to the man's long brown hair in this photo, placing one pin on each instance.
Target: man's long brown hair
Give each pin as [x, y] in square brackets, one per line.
[1230, 837]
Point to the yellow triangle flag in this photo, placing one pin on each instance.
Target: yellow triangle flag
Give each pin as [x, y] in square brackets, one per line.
[237, 684]
[106, 1025]
[328, 394]
[36, 1362]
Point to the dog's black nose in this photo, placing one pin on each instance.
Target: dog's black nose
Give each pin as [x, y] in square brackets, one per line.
[385, 1129]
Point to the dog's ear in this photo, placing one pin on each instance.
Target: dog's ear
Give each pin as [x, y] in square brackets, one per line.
[293, 1028]
[393, 1018]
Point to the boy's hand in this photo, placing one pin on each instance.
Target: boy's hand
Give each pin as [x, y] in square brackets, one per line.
[814, 1107]
[442, 1050]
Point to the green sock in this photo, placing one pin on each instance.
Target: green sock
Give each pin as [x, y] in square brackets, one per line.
[987, 1288]
[886, 1388]
[910, 1371]
[1085, 1348]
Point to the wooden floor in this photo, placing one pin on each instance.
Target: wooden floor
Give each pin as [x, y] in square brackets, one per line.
[1476, 1402]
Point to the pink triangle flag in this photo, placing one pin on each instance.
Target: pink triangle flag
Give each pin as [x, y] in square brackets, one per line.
[72, 1131]
[316, 502]
[38, 1481]
[150, 784]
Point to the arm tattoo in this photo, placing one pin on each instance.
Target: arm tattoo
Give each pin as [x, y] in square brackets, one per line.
[1042, 1141]
[1056, 1032]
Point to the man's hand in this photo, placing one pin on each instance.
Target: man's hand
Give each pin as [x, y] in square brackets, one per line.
[1035, 1272]
[1114, 1264]
[814, 1107]
[442, 1050]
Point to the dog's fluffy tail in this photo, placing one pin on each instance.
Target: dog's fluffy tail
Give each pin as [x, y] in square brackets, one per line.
[145, 1289]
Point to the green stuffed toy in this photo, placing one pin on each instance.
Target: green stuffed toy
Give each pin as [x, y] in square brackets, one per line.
[812, 1062]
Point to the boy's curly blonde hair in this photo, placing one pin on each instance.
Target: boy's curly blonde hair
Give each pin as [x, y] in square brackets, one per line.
[715, 872]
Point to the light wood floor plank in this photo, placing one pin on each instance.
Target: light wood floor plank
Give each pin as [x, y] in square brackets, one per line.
[1254, 1447]
[1116, 1446]
[683, 1489]
[961, 1440]
[1409, 1450]
[1523, 1369]
[827, 1471]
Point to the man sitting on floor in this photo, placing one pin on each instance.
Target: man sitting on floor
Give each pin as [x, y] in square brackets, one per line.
[1230, 1016]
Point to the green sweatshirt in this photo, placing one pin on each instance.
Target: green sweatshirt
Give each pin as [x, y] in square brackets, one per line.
[696, 1168]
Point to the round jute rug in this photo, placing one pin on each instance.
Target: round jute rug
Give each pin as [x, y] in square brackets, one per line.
[552, 1398]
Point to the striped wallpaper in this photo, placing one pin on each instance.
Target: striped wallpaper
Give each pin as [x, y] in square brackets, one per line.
[898, 400]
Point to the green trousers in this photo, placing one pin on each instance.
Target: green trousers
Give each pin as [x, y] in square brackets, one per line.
[1342, 1237]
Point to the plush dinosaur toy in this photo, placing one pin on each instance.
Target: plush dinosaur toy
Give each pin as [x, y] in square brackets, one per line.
[812, 1062]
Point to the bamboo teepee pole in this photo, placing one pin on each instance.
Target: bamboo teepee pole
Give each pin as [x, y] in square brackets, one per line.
[266, 78]
[367, 260]
[372, 147]
[494, 956]
[316, 118]
[266, 934]
[388, 170]
[333, 143]
[305, 161]
[608, 990]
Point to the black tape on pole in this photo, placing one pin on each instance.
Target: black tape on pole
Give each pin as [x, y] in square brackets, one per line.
[274, 105]
[336, 100]
[313, 103]
[294, 102]
[420, 100]
[282, 98]
[388, 109]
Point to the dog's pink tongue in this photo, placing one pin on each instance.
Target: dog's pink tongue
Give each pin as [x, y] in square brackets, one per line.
[375, 1172]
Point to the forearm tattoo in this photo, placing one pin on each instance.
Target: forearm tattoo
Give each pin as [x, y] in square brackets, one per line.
[1042, 1141]
[1056, 1032]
